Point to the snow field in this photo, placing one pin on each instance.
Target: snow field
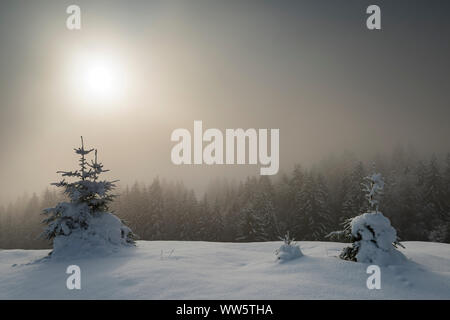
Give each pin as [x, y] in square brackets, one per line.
[207, 270]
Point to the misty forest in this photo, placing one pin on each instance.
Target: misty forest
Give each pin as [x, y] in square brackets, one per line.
[310, 203]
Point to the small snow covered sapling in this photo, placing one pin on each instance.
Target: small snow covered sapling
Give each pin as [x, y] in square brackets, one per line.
[289, 250]
[84, 221]
[373, 238]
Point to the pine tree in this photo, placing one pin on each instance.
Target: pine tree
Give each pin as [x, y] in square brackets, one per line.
[2, 225]
[447, 172]
[297, 185]
[156, 204]
[324, 215]
[204, 219]
[354, 200]
[138, 204]
[420, 173]
[313, 216]
[250, 227]
[402, 204]
[435, 200]
[447, 197]
[231, 228]
[210, 225]
[217, 227]
[254, 213]
[266, 209]
[283, 204]
[89, 198]
[373, 238]
[31, 219]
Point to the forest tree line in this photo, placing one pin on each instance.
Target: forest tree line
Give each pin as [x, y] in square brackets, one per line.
[309, 203]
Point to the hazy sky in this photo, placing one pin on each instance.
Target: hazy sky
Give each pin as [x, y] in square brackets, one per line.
[310, 68]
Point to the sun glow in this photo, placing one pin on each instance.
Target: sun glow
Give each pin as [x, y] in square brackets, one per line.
[98, 78]
[101, 79]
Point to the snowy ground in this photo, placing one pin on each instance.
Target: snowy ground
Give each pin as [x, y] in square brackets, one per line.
[204, 270]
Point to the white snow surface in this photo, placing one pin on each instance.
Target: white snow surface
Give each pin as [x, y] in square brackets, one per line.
[207, 270]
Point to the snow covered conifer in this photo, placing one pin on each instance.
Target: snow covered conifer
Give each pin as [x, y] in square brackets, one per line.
[354, 202]
[251, 226]
[373, 238]
[313, 216]
[289, 250]
[435, 202]
[84, 223]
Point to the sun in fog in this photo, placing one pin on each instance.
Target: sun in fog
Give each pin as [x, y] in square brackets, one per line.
[101, 78]
[98, 77]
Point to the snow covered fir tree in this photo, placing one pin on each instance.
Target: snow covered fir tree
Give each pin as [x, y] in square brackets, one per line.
[373, 238]
[84, 223]
[289, 250]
